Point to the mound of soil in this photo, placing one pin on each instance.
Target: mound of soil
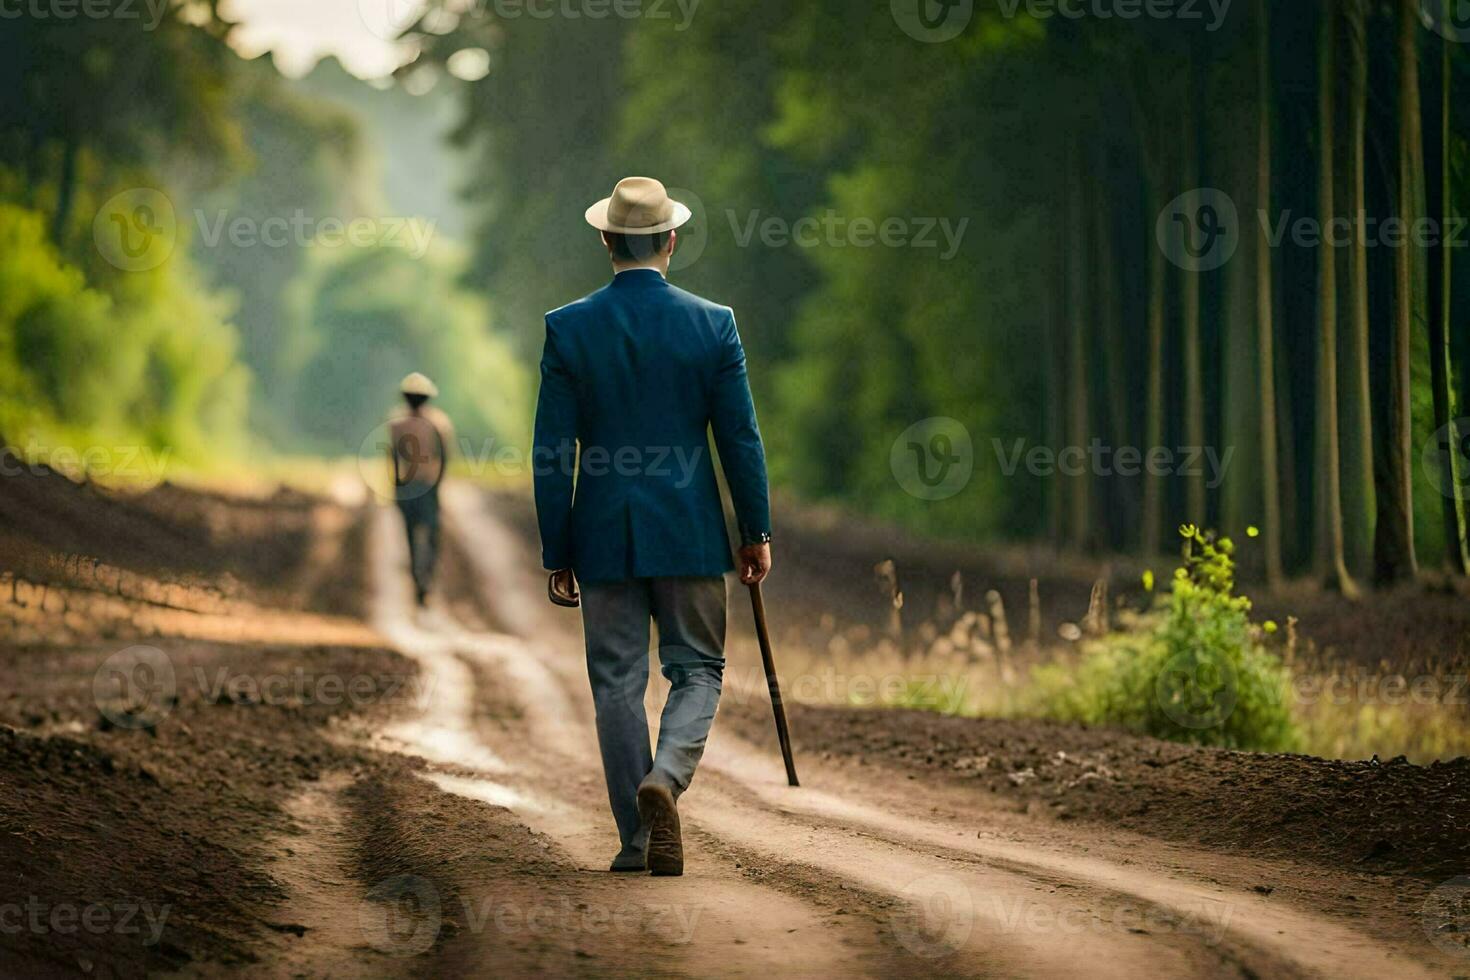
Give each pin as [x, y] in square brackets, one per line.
[289, 550]
[135, 848]
[1372, 816]
[132, 818]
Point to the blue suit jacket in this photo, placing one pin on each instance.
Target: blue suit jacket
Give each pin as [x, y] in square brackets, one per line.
[635, 376]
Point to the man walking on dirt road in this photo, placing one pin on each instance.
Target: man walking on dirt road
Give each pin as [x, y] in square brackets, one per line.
[633, 379]
[418, 451]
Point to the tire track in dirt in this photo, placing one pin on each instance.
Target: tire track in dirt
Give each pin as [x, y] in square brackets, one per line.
[1215, 930]
[727, 932]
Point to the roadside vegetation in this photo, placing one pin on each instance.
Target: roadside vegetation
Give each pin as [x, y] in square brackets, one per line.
[1186, 659]
[1194, 668]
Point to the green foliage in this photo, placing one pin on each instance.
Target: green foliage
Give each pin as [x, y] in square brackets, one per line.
[144, 358]
[363, 318]
[306, 158]
[1193, 671]
[113, 90]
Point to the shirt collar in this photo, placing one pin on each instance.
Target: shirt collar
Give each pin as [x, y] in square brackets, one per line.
[638, 277]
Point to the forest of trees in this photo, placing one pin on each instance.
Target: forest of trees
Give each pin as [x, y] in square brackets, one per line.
[223, 350]
[93, 351]
[1068, 314]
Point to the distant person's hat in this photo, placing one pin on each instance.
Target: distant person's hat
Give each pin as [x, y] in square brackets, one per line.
[417, 384]
[638, 206]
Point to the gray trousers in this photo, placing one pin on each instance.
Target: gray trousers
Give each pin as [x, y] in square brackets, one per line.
[419, 505]
[690, 613]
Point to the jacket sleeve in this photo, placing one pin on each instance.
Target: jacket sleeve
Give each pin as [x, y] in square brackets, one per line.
[553, 455]
[738, 438]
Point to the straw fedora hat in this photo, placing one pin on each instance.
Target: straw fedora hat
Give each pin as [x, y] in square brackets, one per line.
[417, 384]
[638, 206]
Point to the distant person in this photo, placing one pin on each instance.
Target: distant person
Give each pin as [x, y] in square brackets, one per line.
[419, 452]
[636, 375]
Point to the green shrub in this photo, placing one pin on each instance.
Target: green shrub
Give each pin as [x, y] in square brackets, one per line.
[134, 359]
[1193, 670]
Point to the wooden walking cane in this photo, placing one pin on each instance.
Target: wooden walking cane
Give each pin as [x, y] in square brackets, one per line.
[762, 633]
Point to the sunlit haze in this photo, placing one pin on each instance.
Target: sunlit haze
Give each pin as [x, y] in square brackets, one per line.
[357, 32]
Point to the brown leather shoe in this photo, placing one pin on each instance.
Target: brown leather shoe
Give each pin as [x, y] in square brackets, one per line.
[630, 861]
[660, 815]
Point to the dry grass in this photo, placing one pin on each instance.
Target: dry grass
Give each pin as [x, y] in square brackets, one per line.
[958, 667]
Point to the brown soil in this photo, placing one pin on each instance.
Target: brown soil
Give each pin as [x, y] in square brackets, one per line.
[153, 830]
[168, 545]
[162, 820]
[1369, 816]
[270, 814]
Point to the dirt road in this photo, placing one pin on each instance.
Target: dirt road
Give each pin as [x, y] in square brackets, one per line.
[841, 876]
[450, 818]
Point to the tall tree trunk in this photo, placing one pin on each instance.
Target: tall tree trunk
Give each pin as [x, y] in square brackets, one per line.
[1153, 484]
[1331, 558]
[1194, 404]
[1265, 319]
[1393, 542]
[1356, 400]
[35, 147]
[1231, 91]
[1437, 194]
[1152, 519]
[1154, 423]
[1054, 309]
[1080, 496]
[1110, 347]
[66, 189]
[1239, 486]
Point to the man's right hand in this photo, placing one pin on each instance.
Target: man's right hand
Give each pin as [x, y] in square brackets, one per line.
[755, 563]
